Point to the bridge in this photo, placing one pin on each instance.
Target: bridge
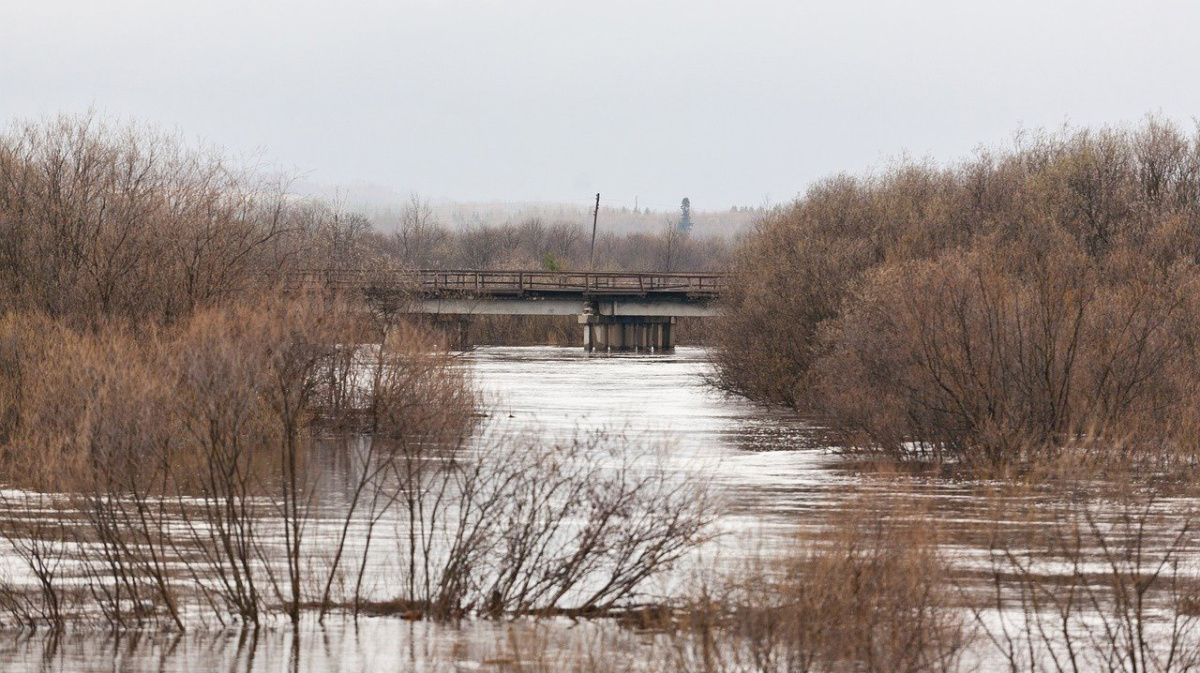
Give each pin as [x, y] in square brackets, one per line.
[618, 311]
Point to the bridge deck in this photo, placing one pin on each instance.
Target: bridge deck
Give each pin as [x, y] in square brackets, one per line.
[515, 283]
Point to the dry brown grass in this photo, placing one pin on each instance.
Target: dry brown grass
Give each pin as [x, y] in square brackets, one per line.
[870, 593]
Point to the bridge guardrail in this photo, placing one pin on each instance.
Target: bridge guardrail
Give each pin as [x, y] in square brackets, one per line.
[516, 283]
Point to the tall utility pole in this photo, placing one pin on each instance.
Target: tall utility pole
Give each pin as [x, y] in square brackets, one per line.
[592, 253]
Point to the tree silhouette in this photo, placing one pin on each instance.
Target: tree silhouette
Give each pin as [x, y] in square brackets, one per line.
[685, 221]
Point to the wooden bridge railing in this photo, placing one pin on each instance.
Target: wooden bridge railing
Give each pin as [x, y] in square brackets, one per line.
[513, 283]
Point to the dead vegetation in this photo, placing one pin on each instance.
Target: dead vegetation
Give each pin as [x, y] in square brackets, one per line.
[1028, 300]
[870, 593]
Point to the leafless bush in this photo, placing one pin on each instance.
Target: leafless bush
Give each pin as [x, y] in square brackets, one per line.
[101, 220]
[997, 355]
[784, 286]
[43, 543]
[516, 527]
[1026, 300]
[1096, 583]
[870, 594]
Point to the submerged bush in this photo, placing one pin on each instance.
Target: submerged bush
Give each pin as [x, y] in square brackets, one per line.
[996, 355]
[870, 592]
[1022, 302]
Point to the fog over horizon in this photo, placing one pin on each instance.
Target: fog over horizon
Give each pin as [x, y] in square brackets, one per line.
[530, 101]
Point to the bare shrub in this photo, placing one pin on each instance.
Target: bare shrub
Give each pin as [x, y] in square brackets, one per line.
[869, 593]
[413, 406]
[1030, 298]
[516, 527]
[43, 542]
[1102, 582]
[587, 526]
[784, 287]
[996, 355]
[100, 220]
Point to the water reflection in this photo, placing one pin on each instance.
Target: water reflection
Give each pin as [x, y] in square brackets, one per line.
[340, 646]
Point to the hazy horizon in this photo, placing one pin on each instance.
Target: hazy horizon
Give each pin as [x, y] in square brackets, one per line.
[539, 102]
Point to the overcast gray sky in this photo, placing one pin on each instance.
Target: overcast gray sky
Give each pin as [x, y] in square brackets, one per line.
[523, 100]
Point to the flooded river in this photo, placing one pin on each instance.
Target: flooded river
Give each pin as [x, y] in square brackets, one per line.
[766, 463]
[772, 477]
[763, 464]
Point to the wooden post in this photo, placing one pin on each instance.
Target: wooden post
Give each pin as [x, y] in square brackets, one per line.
[592, 253]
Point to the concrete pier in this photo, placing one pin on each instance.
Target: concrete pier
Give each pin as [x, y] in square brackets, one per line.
[608, 333]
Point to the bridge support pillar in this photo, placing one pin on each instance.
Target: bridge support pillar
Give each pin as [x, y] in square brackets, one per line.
[627, 333]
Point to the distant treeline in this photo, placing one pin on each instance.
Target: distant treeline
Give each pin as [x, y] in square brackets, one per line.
[615, 219]
[1025, 301]
[102, 221]
[419, 239]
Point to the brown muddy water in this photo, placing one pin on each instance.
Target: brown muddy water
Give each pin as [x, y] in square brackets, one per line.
[774, 480]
